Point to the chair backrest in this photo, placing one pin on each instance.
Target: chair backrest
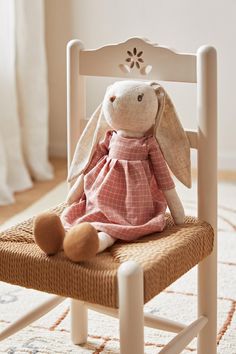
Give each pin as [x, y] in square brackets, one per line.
[138, 59]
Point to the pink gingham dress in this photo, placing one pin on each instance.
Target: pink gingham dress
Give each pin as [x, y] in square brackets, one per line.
[123, 188]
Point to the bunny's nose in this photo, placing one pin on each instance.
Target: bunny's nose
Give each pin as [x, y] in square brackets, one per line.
[112, 98]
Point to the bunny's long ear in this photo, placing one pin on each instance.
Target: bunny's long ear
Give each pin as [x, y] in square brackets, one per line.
[172, 138]
[95, 130]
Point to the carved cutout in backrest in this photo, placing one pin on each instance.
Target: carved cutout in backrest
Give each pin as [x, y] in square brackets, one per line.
[137, 58]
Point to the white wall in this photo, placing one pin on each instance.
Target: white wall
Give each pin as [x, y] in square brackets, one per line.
[184, 25]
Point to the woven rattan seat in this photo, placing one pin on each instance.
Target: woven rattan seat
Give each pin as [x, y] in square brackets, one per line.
[164, 257]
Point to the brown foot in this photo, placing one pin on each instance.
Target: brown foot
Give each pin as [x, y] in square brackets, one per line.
[49, 232]
[81, 242]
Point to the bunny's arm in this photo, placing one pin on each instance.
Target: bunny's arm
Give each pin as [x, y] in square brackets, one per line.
[175, 205]
[165, 182]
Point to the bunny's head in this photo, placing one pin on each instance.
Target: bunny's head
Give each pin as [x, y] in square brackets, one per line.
[130, 106]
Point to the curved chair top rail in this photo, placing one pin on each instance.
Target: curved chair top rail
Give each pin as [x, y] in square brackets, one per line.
[139, 59]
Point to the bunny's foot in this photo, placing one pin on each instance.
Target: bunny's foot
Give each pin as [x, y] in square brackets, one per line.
[49, 232]
[81, 242]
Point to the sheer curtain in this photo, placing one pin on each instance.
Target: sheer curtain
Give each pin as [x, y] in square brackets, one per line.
[23, 97]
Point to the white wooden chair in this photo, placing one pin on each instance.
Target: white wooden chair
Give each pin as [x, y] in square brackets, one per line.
[158, 63]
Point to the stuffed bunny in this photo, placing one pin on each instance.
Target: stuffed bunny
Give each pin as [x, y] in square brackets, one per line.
[121, 185]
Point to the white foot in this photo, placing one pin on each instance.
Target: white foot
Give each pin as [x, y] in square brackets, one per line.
[105, 241]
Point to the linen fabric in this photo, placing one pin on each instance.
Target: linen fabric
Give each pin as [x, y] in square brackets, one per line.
[123, 188]
[23, 98]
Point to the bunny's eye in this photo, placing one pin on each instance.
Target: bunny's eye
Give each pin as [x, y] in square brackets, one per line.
[140, 97]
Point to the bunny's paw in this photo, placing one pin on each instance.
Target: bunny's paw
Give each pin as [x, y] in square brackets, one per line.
[48, 232]
[81, 242]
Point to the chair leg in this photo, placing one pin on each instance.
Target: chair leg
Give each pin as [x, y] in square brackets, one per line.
[207, 304]
[79, 322]
[130, 283]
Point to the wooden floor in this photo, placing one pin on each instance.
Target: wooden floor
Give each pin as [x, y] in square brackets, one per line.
[226, 176]
[26, 198]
